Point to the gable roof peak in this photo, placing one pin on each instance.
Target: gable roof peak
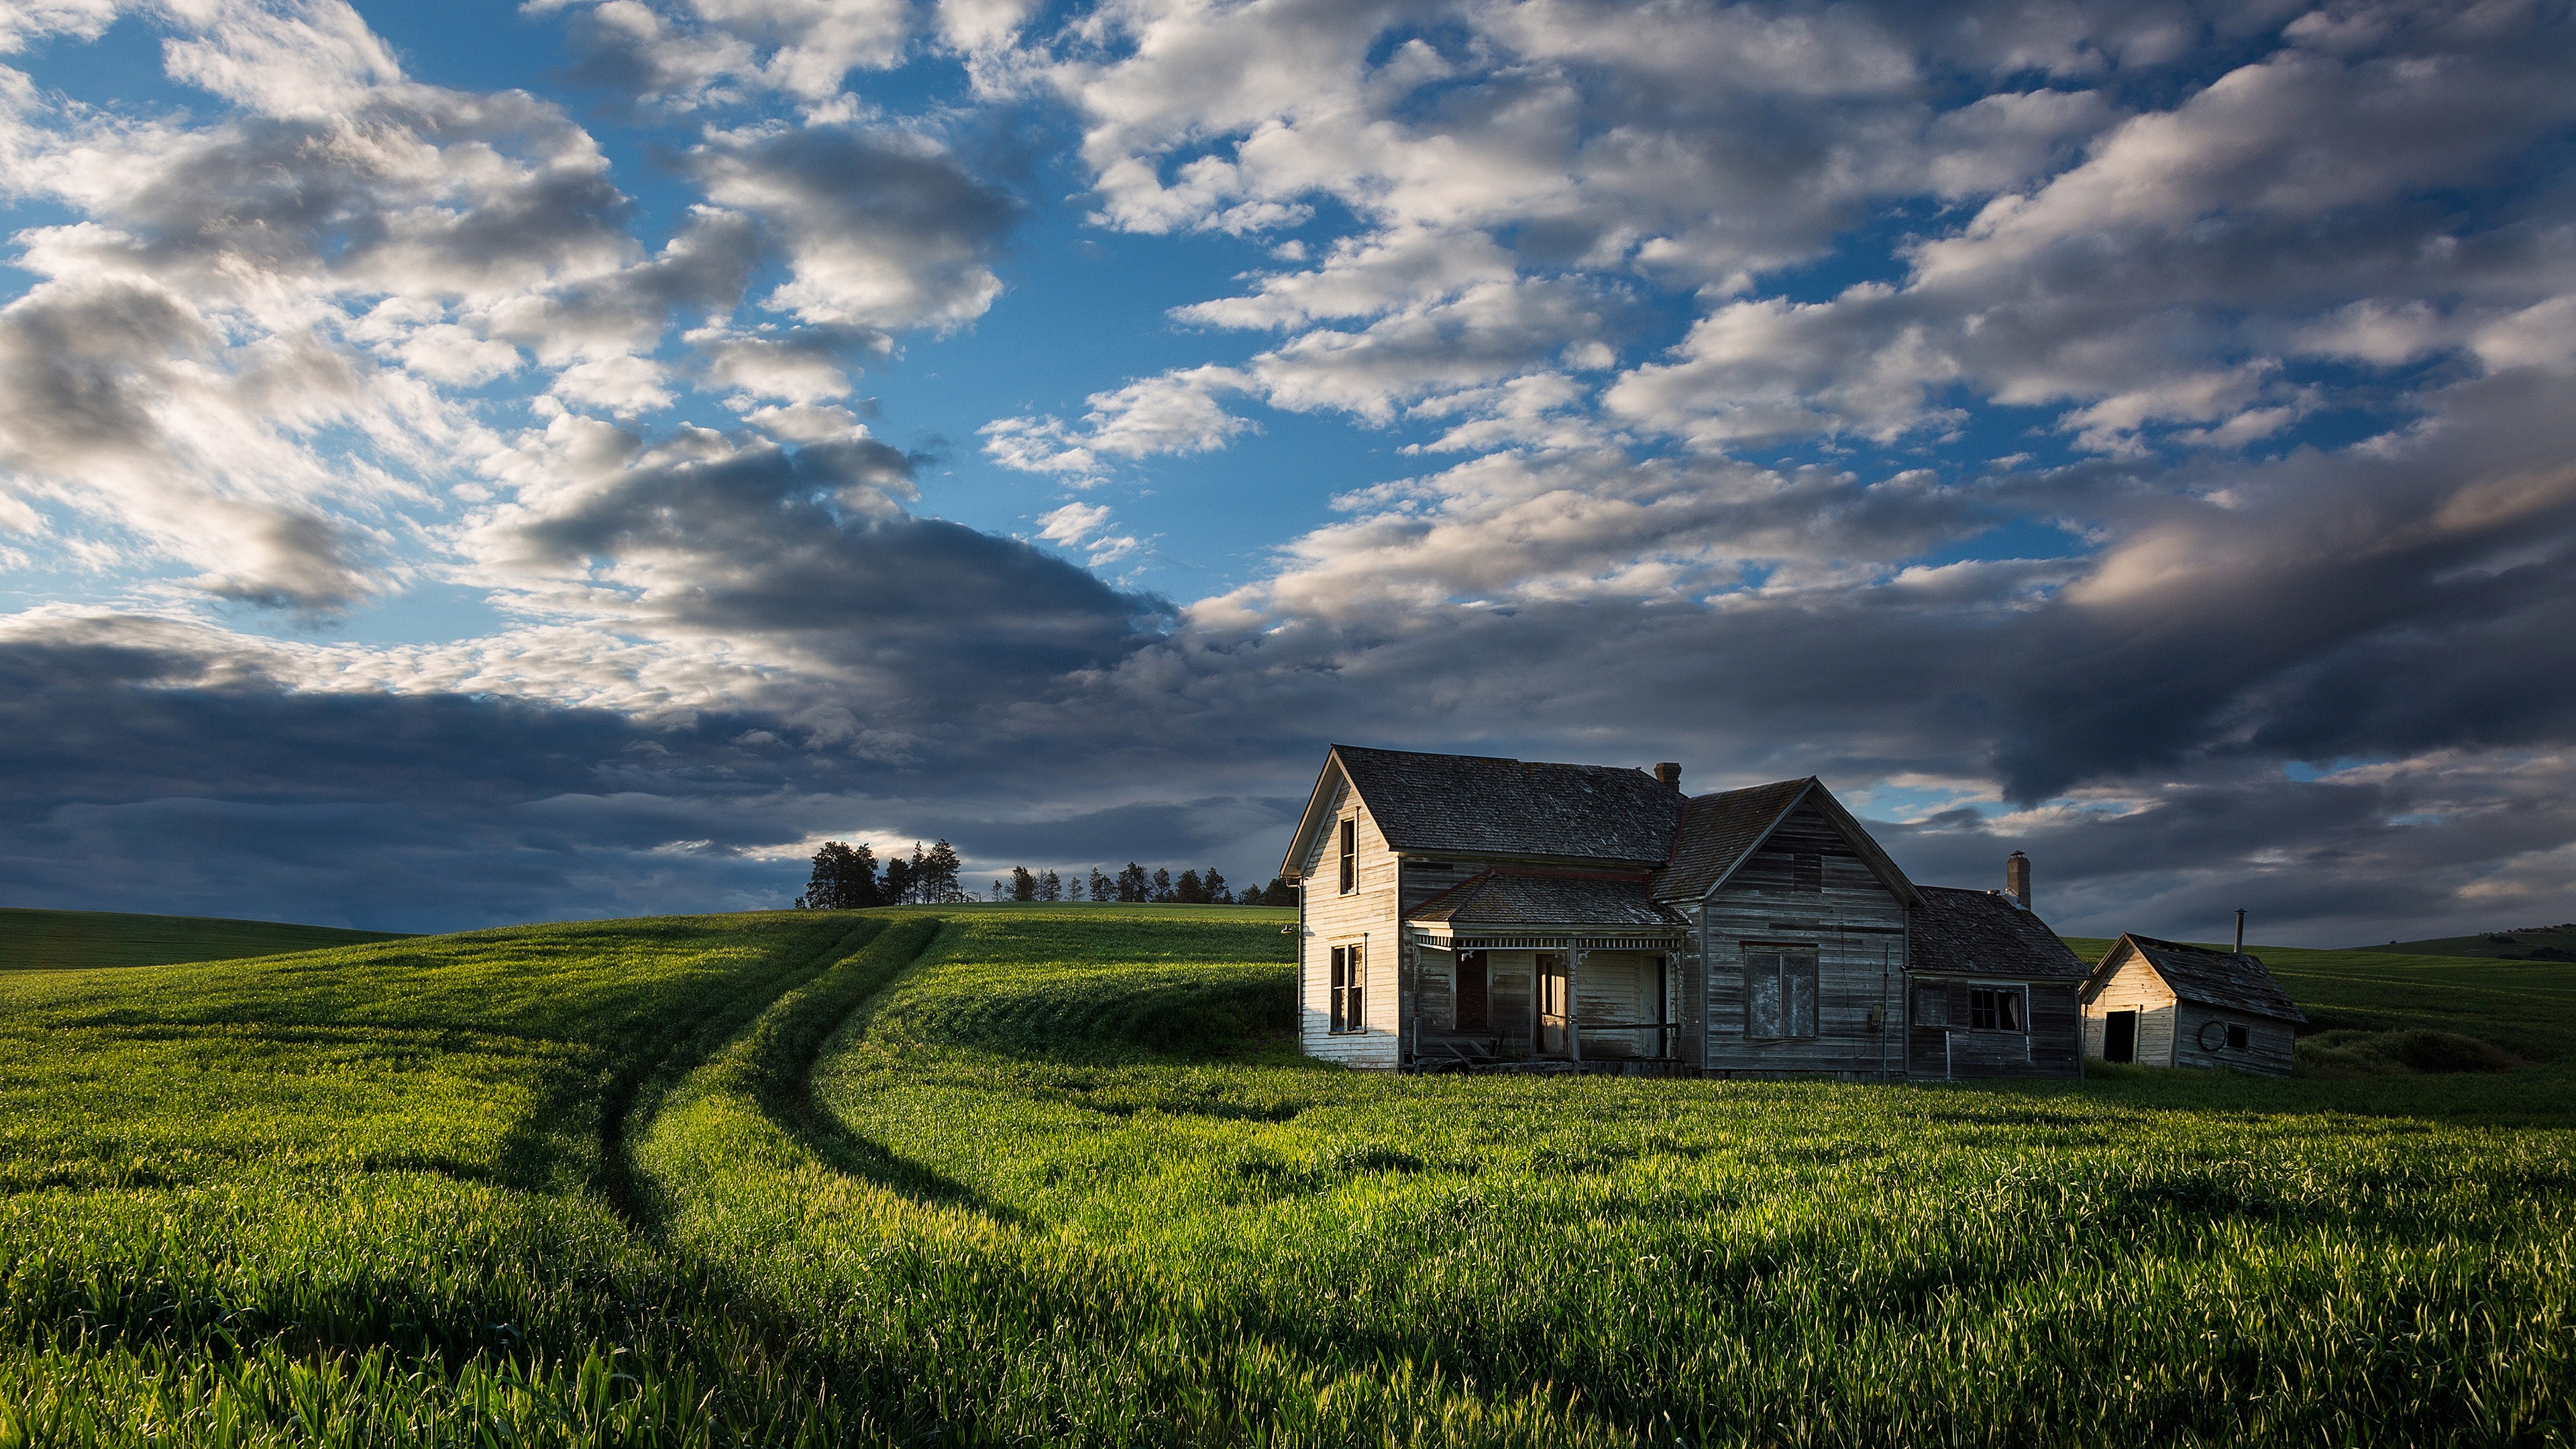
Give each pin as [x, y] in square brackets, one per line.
[1430, 803]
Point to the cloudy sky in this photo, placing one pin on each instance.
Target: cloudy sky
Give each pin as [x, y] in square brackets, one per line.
[474, 463]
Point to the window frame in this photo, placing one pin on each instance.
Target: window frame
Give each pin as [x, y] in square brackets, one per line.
[1997, 993]
[1809, 966]
[1347, 989]
[1349, 853]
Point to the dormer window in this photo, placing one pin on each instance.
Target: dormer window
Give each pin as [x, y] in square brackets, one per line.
[1350, 856]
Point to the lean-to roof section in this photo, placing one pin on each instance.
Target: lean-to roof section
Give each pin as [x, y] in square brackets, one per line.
[1978, 933]
[1547, 898]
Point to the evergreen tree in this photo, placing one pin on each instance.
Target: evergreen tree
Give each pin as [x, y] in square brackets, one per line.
[934, 874]
[844, 879]
[1050, 886]
[1188, 891]
[1101, 887]
[1214, 885]
[1134, 886]
[898, 886]
[1162, 892]
[1024, 886]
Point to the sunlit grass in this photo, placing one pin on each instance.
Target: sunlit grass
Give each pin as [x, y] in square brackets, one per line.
[1063, 1179]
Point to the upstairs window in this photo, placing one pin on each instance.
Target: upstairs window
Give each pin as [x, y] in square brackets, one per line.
[1807, 872]
[1996, 1008]
[1348, 1008]
[1350, 856]
[1779, 994]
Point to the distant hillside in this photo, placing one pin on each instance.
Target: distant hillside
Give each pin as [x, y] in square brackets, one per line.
[40, 940]
[2531, 943]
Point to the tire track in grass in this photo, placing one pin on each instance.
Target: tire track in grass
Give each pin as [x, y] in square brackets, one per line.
[646, 1077]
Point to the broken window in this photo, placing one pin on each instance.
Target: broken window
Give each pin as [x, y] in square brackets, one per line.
[1996, 1008]
[1347, 1007]
[1779, 993]
[1932, 1003]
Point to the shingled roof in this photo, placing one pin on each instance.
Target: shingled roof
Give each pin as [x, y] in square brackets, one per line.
[1716, 831]
[1484, 805]
[1976, 933]
[2232, 981]
[1541, 898]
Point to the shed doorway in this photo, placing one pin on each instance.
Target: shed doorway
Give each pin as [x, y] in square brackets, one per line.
[2120, 1037]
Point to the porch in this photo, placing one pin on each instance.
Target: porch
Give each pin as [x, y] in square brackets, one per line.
[1553, 1002]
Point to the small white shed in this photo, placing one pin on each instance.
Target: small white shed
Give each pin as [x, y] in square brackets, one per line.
[2165, 1004]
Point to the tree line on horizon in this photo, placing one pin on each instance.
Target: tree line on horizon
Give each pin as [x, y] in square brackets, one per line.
[849, 878]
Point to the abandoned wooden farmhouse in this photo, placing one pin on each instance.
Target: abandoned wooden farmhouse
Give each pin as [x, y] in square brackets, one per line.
[1461, 910]
[2164, 1004]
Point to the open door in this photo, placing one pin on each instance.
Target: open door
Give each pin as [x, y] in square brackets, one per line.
[2120, 1037]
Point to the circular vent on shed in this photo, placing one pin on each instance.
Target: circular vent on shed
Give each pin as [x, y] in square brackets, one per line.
[2213, 1035]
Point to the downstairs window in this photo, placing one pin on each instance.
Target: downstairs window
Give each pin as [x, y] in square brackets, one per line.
[1996, 1008]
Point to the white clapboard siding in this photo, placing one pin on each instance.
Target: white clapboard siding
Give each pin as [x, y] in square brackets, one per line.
[1365, 917]
[2133, 986]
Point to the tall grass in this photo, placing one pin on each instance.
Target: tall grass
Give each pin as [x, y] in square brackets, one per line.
[372, 1194]
[1029, 1175]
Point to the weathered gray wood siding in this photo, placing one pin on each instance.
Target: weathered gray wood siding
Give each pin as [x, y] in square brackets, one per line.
[1856, 927]
[1620, 987]
[2269, 1044]
[1943, 1044]
[1365, 917]
[2133, 986]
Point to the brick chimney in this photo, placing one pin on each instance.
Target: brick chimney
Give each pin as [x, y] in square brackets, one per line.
[2017, 879]
[1670, 773]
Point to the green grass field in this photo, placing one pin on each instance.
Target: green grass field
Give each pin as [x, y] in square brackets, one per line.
[2516, 944]
[64, 940]
[1051, 1175]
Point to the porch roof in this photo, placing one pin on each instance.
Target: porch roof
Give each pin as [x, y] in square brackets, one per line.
[1525, 902]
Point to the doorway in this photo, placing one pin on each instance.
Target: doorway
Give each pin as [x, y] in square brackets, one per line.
[1475, 1003]
[1555, 1034]
[2120, 1037]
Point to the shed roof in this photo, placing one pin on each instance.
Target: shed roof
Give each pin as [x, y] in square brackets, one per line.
[1548, 898]
[1486, 805]
[1976, 933]
[2235, 981]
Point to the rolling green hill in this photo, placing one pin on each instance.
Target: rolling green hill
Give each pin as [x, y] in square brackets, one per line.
[60, 940]
[2528, 943]
[1045, 1175]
